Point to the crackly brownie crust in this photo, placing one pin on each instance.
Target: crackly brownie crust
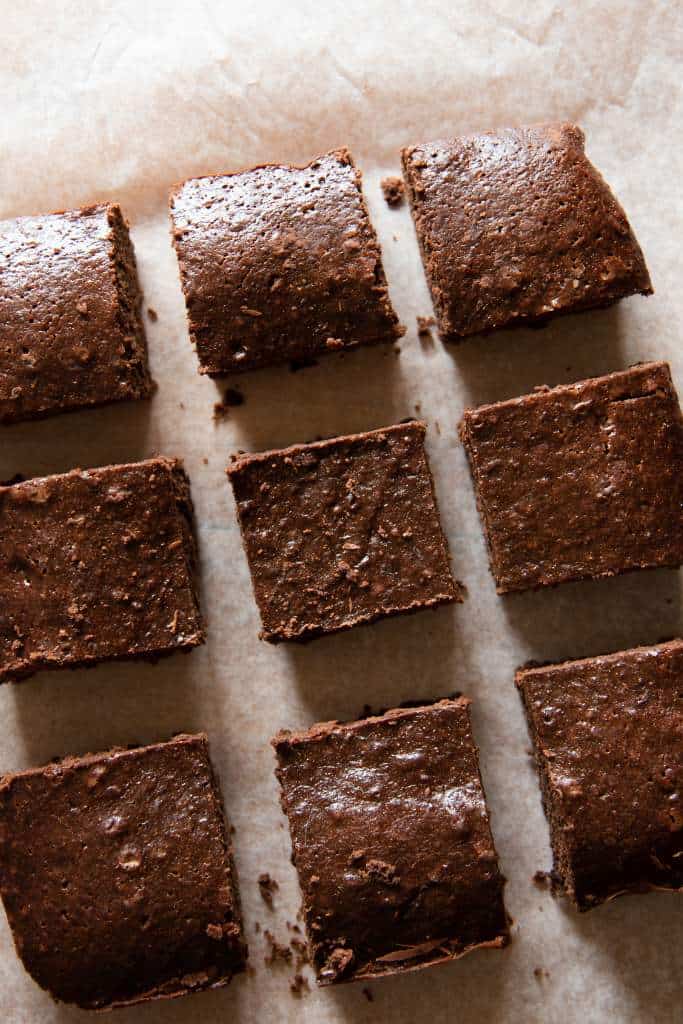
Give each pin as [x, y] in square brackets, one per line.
[280, 264]
[117, 878]
[71, 331]
[608, 739]
[95, 565]
[580, 481]
[391, 841]
[516, 226]
[342, 532]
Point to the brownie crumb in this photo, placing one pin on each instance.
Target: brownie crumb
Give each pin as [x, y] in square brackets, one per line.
[540, 973]
[152, 314]
[267, 886]
[368, 994]
[277, 952]
[425, 324]
[394, 190]
[542, 879]
[257, 927]
[298, 985]
[300, 951]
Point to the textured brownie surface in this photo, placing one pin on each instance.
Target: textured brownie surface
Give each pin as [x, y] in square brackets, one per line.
[71, 334]
[608, 736]
[116, 874]
[517, 225]
[584, 480]
[391, 841]
[97, 564]
[342, 532]
[280, 263]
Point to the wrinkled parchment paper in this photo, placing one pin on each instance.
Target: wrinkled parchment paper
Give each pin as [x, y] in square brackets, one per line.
[119, 100]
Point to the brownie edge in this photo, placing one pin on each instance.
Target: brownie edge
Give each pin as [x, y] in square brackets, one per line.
[517, 226]
[580, 481]
[71, 330]
[117, 878]
[342, 532]
[280, 263]
[391, 841]
[97, 565]
[607, 733]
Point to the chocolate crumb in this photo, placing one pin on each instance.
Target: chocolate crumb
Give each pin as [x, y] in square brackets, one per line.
[424, 326]
[540, 973]
[298, 985]
[394, 190]
[300, 950]
[257, 927]
[267, 886]
[368, 994]
[542, 879]
[152, 314]
[277, 952]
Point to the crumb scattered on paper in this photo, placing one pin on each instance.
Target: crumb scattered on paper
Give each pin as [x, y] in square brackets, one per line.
[394, 190]
[267, 886]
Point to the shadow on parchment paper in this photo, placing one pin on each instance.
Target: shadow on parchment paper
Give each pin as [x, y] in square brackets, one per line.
[342, 394]
[576, 620]
[405, 658]
[86, 439]
[640, 939]
[116, 704]
[507, 364]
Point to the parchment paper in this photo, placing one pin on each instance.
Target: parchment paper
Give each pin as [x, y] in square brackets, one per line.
[122, 99]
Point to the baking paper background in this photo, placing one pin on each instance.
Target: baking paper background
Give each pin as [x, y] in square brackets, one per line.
[119, 101]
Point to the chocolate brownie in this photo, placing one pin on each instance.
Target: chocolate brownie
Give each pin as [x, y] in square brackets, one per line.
[117, 878]
[608, 738]
[342, 532]
[516, 226]
[97, 564]
[280, 263]
[581, 481]
[391, 841]
[71, 331]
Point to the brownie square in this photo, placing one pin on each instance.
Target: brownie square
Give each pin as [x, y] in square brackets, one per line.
[391, 841]
[342, 532]
[71, 333]
[97, 564]
[608, 739]
[117, 878]
[280, 263]
[581, 481]
[516, 226]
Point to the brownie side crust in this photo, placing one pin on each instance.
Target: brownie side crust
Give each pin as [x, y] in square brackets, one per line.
[280, 263]
[342, 532]
[71, 331]
[117, 878]
[608, 741]
[391, 841]
[97, 565]
[517, 226]
[580, 481]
